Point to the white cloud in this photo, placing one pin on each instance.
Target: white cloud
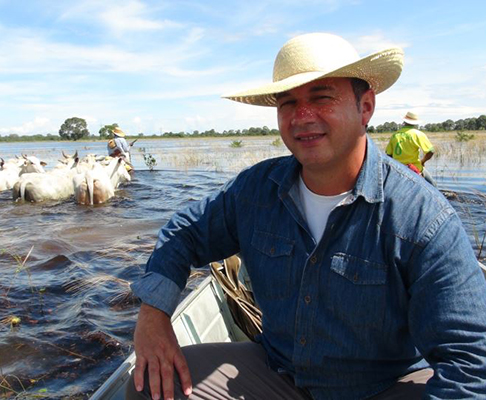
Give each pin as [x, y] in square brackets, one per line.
[124, 18]
[120, 18]
[374, 42]
[38, 125]
[24, 52]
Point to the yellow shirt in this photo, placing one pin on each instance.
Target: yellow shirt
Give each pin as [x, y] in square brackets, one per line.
[405, 145]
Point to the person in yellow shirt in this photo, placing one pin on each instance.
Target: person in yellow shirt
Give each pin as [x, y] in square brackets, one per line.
[405, 146]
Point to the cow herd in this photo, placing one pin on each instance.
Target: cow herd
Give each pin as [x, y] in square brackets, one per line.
[90, 179]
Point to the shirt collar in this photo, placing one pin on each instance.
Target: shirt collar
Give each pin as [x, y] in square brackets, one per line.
[369, 184]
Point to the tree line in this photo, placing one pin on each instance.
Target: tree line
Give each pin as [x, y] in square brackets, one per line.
[76, 128]
[468, 124]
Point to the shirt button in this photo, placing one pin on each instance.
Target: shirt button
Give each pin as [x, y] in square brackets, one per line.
[302, 341]
[307, 299]
[356, 277]
[313, 259]
[272, 250]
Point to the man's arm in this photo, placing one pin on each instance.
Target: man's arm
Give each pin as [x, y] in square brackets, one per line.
[426, 157]
[157, 350]
[195, 236]
[447, 310]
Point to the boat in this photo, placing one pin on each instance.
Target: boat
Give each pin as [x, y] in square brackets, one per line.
[204, 316]
[483, 268]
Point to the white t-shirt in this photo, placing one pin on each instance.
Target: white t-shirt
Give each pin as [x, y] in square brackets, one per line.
[317, 208]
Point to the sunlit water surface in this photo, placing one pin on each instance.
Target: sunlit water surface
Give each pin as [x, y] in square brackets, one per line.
[65, 268]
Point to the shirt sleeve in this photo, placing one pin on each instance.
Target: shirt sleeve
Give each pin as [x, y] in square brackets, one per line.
[201, 233]
[122, 144]
[424, 142]
[447, 311]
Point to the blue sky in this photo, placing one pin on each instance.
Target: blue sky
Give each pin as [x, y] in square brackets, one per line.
[155, 66]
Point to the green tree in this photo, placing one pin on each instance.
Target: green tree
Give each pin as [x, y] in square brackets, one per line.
[481, 122]
[105, 131]
[73, 129]
[448, 125]
[460, 125]
[470, 124]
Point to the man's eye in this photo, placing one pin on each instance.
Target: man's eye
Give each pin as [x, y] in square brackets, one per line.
[323, 98]
[286, 103]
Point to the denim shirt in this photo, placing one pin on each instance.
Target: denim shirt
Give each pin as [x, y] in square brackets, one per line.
[392, 287]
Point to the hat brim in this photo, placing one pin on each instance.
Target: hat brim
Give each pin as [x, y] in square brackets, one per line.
[120, 134]
[412, 121]
[381, 70]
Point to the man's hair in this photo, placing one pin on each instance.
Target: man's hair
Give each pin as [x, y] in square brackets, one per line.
[359, 88]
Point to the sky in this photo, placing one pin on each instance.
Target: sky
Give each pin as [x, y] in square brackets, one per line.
[154, 66]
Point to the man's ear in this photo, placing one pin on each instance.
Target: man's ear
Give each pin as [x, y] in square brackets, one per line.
[368, 102]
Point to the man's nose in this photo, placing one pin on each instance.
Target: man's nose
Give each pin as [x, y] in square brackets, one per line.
[303, 114]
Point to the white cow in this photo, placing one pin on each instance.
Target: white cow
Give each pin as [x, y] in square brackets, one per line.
[98, 185]
[53, 185]
[67, 161]
[11, 170]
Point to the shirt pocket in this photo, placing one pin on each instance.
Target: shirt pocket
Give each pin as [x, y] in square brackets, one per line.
[356, 291]
[270, 265]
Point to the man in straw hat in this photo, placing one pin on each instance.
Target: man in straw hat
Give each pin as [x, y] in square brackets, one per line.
[362, 295]
[405, 146]
[118, 146]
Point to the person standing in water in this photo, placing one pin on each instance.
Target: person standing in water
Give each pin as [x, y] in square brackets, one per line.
[405, 146]
[118, 146]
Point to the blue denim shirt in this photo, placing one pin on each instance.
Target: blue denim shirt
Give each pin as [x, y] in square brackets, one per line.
[393, 285]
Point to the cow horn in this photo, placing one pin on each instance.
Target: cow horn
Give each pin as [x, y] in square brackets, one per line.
[75, 154]
[64, 154]
[23, 155]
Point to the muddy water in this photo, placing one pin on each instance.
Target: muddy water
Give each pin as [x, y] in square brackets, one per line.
[71, 295]
[65, 268]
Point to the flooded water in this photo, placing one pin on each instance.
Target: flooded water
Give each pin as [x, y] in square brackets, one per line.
[65, 268]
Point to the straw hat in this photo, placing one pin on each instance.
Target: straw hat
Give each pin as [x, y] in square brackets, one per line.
[312, 56]
[412, 119]
[118, 132]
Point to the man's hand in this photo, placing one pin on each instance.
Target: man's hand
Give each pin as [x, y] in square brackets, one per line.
[157, 349]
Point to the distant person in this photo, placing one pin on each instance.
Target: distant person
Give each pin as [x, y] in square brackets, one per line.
[406, 143]
[118, 146]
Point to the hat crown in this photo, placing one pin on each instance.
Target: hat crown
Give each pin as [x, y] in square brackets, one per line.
[118, 132]
[313, 52]
[412, 116]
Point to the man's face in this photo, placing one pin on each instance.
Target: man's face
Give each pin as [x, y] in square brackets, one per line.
[321, 124]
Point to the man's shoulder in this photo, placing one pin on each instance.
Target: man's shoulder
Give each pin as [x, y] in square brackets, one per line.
[277, 165]
[262, 175]
[409, 192]
[414, 131]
